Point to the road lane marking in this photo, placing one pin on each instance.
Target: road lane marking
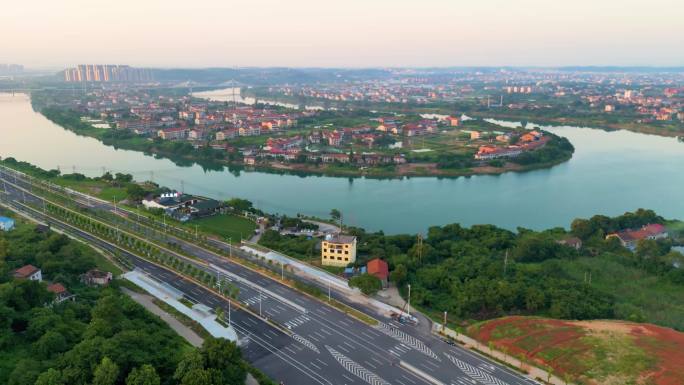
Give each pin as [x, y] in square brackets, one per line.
[356, 369]
[305, 342]
[406, 339]
[475, 373]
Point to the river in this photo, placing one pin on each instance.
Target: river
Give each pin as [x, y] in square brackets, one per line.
[610, 173]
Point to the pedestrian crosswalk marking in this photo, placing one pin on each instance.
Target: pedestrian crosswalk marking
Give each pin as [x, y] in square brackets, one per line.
[356, 369]
[475, 373]
[406, 339]
[299, 320]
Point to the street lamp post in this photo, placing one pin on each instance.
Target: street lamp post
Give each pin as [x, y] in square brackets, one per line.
[260, 305]
[409, 301]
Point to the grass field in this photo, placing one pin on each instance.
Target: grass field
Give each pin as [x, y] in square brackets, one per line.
[591, 352]
[640, 296]
[96, 188]
[225, 226]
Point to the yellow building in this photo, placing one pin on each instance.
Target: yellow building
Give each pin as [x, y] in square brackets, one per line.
[338, 250]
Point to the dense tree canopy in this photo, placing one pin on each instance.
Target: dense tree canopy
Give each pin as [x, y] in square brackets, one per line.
[102, 338]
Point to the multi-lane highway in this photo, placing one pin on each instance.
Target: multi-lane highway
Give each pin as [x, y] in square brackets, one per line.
[295, 338]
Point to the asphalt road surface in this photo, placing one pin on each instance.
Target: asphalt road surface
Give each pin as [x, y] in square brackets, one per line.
[313, 343]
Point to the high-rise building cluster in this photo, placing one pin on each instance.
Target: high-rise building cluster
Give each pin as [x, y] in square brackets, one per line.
[11, 69]
[106, 73]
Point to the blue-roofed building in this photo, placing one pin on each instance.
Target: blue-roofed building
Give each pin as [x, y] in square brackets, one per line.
[6, 224]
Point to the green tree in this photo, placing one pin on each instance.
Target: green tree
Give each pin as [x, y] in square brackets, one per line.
[225, 357]
[335, 214]
[399, 274]
[50, 377]
[367, 283]
[106, 372]
[191, 362]
[135, 192]
[50, 343]
[240, 204]
[145, 375]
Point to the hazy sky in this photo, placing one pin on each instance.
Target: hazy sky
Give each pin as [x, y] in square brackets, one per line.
[343, 33]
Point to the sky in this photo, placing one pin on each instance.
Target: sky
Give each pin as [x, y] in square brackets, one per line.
[343, 33]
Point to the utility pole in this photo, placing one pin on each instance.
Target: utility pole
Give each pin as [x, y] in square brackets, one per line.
[506, 263]
[328, 291]
[282, 271]
[409, 301]
[228, 311]
[420, 252]
[445, 322]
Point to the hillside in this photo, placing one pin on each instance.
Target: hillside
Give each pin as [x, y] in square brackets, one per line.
[591, 352]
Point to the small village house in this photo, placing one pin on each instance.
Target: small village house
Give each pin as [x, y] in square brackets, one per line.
[378, 268]
[96, 277]
[29, 272]
[60, 292]
[630, 238]
[338, 250]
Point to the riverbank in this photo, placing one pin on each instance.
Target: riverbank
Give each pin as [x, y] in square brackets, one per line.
[408, 170]
[181, 153]
[671, 130]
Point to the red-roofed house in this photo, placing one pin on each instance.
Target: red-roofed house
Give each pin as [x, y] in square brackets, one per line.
[379, 268]
[29, 272]
[61, 293]
[453, 121]
[630, 238]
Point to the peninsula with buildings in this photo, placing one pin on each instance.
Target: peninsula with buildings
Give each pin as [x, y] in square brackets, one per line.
[174, 124]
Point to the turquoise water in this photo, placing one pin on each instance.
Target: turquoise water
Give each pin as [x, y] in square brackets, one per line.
[611, 172]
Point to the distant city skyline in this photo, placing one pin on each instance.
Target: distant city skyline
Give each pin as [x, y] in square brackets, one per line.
[353, 33]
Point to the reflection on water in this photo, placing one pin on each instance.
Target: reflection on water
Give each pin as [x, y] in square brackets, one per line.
[611, 172]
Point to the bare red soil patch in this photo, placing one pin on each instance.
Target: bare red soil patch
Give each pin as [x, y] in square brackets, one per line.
[562, 344]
